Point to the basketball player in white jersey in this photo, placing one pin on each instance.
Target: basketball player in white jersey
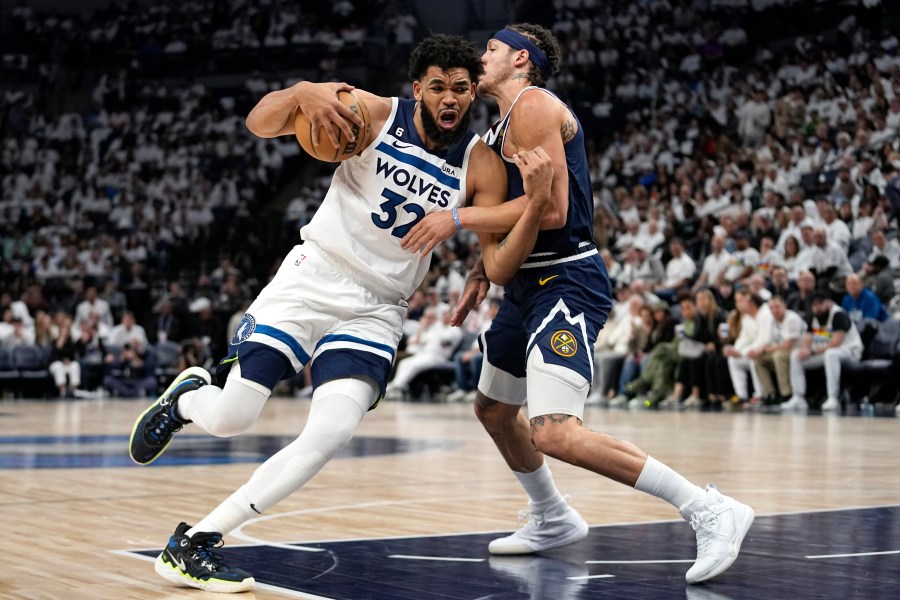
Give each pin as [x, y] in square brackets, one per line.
[338, 299]
[540, 343]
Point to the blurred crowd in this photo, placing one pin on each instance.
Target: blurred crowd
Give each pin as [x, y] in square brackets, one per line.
[733, 169]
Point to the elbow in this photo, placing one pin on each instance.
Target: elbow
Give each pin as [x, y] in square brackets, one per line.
[497, 275]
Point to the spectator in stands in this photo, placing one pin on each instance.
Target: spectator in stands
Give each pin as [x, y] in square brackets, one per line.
[779, 283]
[787, 329]
[878, 278]
[756, 326]
[92, 303]
[789, 257]
[167, 325]
[860, 302]
[715, 263]
[128, 332]
[434, 345]
[64, 366]
[13, 332]
[207, 327]
[680, 272]
[700, 322]
[831, 341]
[639, 345]
[890, 249]
[801, 300]
[91, 354]
[743, 260]
[612, 346]
[131, 374]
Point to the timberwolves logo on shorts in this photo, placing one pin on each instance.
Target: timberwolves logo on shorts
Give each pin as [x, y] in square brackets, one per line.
[244, 329]
[564, 343]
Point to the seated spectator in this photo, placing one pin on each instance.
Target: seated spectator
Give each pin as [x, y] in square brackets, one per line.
[128, 332]
[91, 354]
[715, 263]
[825, 259]
[13, 332]
[743, 260]
[657, 374]
[639, 345]
[832, 340]
[877, 277]
[131, 374]
[64, 365]
[467, 361]
[787, 328]
[434, 345]
[779, 284]
[701, 319]
[611, 347]
[167, 324]
[801, 300]
[860, 302]
[680, 272]
[789, 257]
[92, 303]
[756, 324]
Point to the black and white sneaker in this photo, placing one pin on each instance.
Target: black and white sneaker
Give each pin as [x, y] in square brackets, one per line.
[154, 429]
[191, 561]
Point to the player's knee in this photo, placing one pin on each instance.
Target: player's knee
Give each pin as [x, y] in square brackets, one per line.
[551, 436]
[494, 415]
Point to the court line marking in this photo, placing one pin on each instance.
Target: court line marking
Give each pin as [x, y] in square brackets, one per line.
[590, 577]
[639, 562]
[442, 558]
[855, 554]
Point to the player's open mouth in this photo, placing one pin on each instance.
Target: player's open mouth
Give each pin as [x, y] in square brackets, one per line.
[447, 119]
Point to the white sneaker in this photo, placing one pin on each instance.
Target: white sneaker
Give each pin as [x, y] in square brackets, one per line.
[795, 403]
[692, 402]
[551, 529]
[596, 399]
[832, 404]
[721, 524]
[639, 403]
[457, 396]
[620, 401]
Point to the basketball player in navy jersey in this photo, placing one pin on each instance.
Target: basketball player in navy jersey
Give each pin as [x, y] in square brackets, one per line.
[338, 299]
[540, 344]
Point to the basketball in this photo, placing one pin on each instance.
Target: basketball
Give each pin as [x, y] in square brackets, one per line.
[346, 148]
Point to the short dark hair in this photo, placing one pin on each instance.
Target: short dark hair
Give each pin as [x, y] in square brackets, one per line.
[446, 52]
[544, 40]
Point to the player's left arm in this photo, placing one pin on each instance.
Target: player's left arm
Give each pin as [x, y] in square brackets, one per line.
[504, 254]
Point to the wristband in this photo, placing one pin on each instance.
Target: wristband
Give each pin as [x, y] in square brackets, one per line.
[459, 226]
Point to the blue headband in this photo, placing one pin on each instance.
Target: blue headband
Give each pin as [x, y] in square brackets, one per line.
[516, 40]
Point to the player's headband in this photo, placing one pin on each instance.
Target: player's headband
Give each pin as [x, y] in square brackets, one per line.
[516, 40]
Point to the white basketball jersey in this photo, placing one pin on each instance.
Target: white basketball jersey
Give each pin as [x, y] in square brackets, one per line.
[377, 197]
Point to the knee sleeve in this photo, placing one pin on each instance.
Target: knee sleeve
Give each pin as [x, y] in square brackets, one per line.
[228, 411]
[554, 389]
[337, 408]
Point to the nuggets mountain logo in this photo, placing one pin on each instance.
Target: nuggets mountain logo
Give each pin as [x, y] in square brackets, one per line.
[564, 343]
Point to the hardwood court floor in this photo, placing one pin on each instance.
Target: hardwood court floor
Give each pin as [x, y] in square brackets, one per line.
[71, 501]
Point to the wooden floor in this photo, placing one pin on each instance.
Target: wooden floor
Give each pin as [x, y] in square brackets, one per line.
[63, 528]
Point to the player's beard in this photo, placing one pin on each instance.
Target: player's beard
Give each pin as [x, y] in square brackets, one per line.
[443, 137]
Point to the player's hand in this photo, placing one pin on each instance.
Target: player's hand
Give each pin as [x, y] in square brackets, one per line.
[477, 286]
[537, 175]
[429, 232]
[319, 102]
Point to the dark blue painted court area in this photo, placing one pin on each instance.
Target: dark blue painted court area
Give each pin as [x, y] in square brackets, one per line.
[824, 555]
[93, 451]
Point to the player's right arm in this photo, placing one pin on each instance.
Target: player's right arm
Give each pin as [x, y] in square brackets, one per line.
[275, 113]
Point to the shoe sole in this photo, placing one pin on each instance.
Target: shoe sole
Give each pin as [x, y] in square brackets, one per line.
[741, 531]
[176, 575]
[576, 535]
[190, 371]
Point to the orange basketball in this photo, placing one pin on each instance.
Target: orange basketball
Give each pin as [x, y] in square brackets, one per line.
[325, 151]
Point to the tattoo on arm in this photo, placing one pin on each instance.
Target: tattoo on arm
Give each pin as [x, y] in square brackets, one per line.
[568, 130]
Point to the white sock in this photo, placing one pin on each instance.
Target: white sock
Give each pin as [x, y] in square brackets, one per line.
[659, 480]
[540, 488]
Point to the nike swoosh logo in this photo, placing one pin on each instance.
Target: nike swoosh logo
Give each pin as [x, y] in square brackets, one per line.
[178, 563]
[397, 144]
[544, 280]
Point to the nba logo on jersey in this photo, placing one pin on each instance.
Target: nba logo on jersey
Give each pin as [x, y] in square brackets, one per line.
[244, 329]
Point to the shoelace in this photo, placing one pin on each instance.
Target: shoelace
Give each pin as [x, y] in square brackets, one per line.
[704, 520]
[163, 426]
[203, 544]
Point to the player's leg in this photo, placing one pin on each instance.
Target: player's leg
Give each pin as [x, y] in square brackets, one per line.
[501, 393]
[556, 400]
[336, 410]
